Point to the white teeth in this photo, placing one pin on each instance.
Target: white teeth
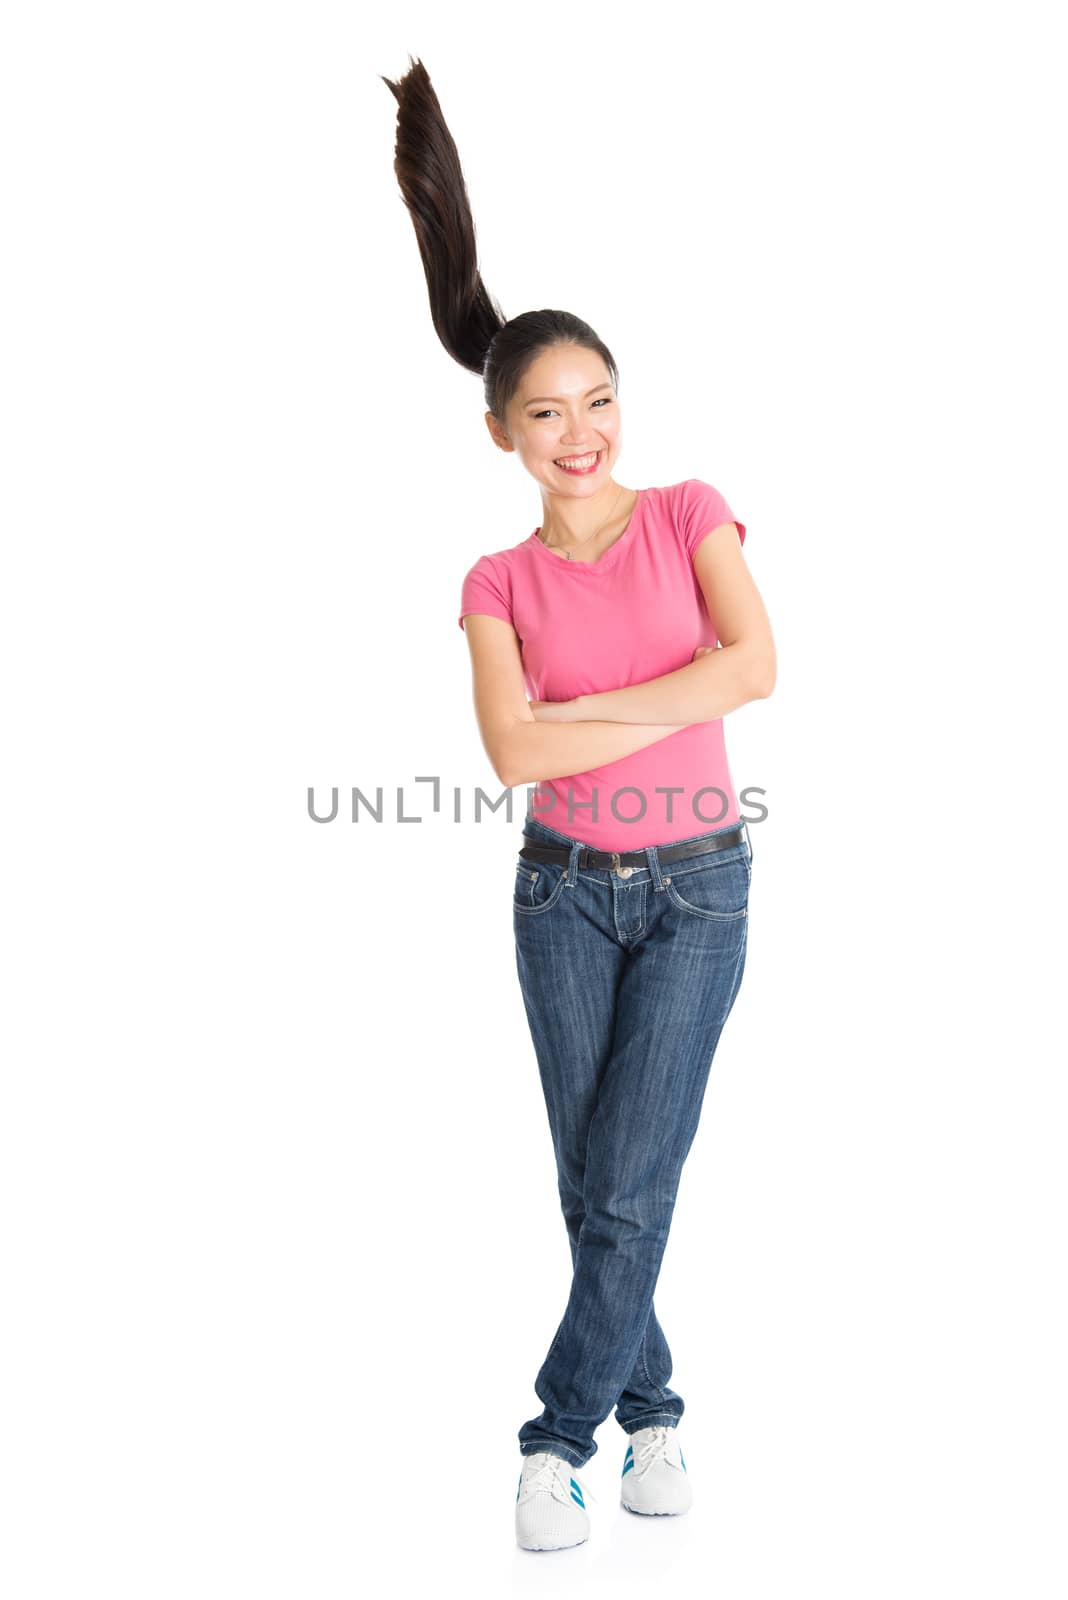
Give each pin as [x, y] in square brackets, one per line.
[578, 461]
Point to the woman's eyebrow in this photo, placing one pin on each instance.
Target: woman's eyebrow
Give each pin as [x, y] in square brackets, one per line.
[536, 397]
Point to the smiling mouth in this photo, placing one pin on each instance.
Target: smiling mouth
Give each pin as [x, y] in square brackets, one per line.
[578, 463]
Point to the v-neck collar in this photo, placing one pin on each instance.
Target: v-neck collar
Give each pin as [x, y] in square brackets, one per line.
[610, 556]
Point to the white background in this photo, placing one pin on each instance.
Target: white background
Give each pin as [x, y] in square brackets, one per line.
[282, 1251]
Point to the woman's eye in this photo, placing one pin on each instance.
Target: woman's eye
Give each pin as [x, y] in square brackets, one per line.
[606, 400]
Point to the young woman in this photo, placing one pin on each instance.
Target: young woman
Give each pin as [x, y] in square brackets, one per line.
[631, 615]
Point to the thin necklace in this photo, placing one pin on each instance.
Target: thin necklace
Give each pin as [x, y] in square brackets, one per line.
[595, 532]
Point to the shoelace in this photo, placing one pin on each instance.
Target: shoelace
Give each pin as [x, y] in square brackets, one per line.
[655, 1449]
[555, 1475]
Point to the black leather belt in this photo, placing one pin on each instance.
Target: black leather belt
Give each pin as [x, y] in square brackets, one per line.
[632, 858]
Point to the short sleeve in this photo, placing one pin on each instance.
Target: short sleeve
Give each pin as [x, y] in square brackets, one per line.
[699, 509]
[483, 590]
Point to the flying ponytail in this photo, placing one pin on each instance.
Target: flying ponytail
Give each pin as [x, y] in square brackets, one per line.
[468, 320]
[431, 179]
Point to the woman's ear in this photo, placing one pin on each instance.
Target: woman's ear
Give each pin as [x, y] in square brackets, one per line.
[497, 433]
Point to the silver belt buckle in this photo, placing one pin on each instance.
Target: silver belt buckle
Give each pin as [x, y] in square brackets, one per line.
[621, 872]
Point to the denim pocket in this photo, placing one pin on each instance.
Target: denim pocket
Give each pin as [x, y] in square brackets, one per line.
[718, 889]
[538, 885]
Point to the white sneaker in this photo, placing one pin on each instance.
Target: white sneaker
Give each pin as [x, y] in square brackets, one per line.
[655, 1480]
[550, 1507]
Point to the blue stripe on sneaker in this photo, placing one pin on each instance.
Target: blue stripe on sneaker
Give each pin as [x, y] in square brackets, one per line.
[576, 1495]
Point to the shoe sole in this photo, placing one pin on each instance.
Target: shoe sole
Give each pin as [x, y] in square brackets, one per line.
[543, 1548]
[638, 1512]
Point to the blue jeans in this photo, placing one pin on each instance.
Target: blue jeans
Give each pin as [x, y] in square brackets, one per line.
[627, 982]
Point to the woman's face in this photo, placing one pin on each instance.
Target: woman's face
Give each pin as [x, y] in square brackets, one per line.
[565, 408]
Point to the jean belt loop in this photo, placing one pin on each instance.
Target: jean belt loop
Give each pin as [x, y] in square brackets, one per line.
[572, 864]
[652, 853]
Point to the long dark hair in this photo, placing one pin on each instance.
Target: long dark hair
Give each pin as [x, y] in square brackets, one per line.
[468, 320]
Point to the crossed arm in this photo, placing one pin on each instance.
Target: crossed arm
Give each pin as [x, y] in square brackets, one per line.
[715, 682]
[617, 723]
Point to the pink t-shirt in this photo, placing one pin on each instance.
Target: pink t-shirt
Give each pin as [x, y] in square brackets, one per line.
[586, 627]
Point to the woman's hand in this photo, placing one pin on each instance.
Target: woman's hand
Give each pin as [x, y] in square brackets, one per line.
[554, 710]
